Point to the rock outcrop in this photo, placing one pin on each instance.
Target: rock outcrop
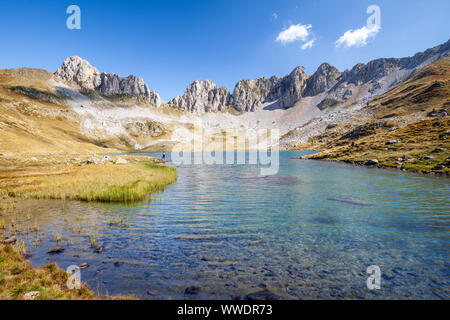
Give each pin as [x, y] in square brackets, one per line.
[77, 71]
[322, 80]
[248, 94]
[203, 96]
[291, 88]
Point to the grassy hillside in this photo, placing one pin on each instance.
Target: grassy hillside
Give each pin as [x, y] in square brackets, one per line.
[33, 120]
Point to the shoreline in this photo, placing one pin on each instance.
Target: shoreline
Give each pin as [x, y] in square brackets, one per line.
[21, 281]
[120, 178]
[441, 174]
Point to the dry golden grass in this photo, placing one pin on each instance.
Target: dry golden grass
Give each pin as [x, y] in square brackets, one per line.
[102, 182]
[18, 278]
[33, 125]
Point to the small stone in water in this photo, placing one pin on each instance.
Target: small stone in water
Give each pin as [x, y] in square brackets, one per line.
[10, 240]
[262, 295]
[192, 290]
[55, 250]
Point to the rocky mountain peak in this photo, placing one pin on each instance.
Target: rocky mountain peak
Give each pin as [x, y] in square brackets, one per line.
[77, 71]
[323, 79]
[248, 94]
[291, 88]
[202, 96]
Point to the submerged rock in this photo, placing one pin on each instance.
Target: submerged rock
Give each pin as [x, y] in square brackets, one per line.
[192, 290]
[55, 251]
[10, 240]
[262, 295]
[100, 249]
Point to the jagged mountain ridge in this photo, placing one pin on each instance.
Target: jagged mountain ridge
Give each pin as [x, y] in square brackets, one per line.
[81, 73]
[128, 124]
[205, 96]
[379, 75]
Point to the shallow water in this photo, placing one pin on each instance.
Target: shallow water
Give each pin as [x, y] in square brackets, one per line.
[308, 233]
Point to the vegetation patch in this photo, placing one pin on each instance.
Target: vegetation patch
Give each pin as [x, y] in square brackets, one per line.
[17, 278]
[100, 182]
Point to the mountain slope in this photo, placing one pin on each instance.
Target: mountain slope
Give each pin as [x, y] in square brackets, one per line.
[356, 86]
[408, 127]
[34, 120]
[78, 109]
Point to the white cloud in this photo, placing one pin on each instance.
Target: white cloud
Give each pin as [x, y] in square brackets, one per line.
[294, 33]
[358, 37]
[275, 16]
[308, 45]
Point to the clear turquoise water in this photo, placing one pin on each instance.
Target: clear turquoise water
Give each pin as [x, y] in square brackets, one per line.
[308, 233]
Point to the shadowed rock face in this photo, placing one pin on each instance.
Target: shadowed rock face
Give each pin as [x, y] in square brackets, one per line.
[250, 93]
[291, 88]
[323, 79]
[75, 70]
[204, 96]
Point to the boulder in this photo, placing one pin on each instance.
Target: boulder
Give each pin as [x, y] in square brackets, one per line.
[372, 162]
[121, 161]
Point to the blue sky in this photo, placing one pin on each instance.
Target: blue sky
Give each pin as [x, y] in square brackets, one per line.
[171, 43]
